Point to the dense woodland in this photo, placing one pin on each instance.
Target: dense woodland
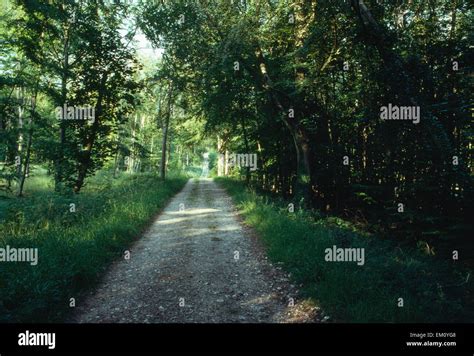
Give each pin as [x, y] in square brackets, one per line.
[95, 136]
[302, 83]
[299, 83]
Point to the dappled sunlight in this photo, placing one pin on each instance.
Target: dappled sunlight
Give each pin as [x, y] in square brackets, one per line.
[260, 300]
[299, 311]
[225, 228]
[165, 221]
[193, 211]
[189, 214]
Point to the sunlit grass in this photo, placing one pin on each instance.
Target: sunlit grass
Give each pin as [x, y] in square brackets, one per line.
[74, 247]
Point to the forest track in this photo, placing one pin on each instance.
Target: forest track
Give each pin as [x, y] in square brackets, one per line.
[197, 263]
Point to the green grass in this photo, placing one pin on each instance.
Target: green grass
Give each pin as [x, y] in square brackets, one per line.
[431, 289]
[74, 248]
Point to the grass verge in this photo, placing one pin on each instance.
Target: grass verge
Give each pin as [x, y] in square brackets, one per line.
[432, 290]
[74, 247]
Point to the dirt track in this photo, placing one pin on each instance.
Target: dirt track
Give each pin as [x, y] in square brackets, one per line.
[198, 264]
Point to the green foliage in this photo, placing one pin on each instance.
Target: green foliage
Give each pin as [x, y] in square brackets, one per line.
[74, 247]
[433, 290]
[335, 71]
[231, 72]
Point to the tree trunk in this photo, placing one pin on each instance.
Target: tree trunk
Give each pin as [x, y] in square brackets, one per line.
[27, 162]
[86, 154]
[21, 110]
[220, 160]
[165, 127]
[247, 148]
[28, 145]
[304, 175]
[62, 124]
[116, 163]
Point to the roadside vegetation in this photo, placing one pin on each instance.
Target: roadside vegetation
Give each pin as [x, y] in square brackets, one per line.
[433, 290]
[75, 242]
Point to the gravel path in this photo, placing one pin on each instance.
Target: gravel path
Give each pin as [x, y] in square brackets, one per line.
[197, 263]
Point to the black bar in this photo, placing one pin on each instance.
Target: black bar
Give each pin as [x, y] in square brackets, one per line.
[132, 338]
